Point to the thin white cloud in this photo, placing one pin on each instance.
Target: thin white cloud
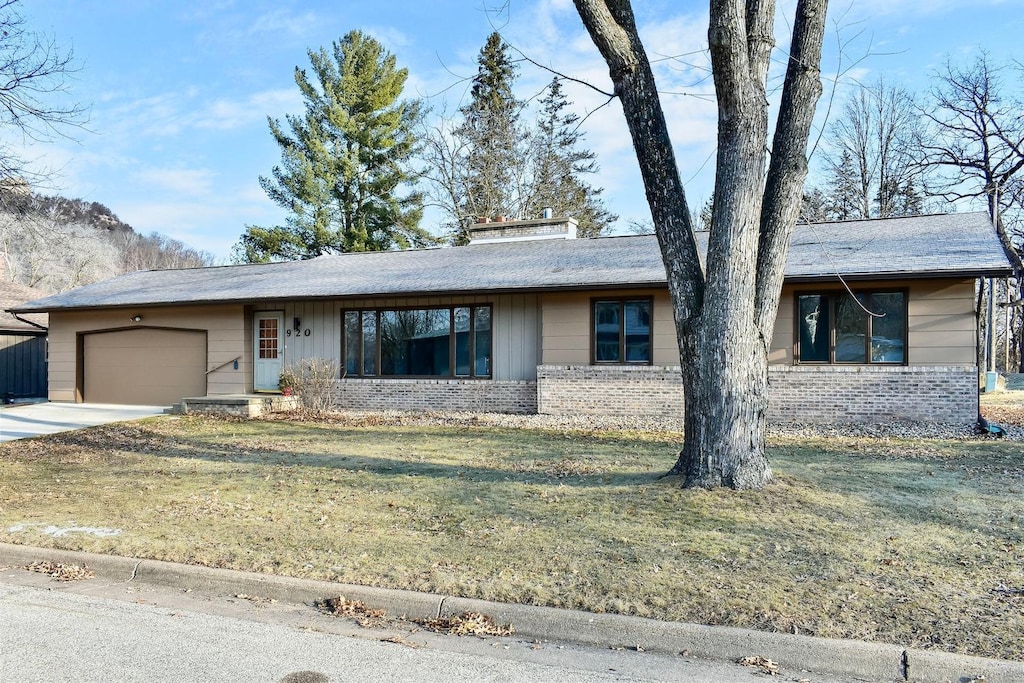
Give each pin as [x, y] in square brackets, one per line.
[390, 37]
[213, 225]
[183, 181]
[229, 114]
[880, 8]
[282, 20]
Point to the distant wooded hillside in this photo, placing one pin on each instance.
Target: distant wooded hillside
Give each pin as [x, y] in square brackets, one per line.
[53, 244]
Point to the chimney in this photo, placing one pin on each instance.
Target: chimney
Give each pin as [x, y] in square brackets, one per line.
[518, 231]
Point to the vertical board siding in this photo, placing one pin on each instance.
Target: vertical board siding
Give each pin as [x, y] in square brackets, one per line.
[515, 328]
[23, 365]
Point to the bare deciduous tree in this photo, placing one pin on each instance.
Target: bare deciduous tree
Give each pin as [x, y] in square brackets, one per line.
[870, 161]
[54, 244]
[43, 252]
[33, 87]
[976, 142]
[725, 317]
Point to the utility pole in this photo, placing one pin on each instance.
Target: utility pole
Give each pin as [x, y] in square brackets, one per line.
[991, 377]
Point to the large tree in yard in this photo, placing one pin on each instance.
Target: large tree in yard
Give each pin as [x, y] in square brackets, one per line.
[724, 312]
[345, 162]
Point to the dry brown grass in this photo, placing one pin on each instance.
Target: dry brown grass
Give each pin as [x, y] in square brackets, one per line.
[913, 542]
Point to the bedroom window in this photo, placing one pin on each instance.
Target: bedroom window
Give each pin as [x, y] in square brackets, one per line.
[840, 329]
[621, 331]
[453, 341]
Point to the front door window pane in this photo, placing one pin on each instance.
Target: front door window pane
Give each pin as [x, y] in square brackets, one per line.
[268, 338]
[606, 332]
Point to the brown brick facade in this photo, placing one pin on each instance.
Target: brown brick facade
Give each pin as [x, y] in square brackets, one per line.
[796, 393]
[479, 396]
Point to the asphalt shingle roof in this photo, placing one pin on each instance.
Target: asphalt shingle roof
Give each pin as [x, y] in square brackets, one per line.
[12, 294]
[948, 245]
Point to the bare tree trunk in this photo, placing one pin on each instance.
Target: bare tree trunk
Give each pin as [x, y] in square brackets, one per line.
[725, 402]
[724, 320]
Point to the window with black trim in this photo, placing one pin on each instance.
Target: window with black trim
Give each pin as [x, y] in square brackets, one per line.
[621, 330]
[866, 328]
[452, 341]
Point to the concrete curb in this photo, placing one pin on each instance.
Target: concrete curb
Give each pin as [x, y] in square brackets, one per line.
[861, 660]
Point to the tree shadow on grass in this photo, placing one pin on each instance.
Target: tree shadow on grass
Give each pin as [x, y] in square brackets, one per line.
[948, 484]
[550, 465]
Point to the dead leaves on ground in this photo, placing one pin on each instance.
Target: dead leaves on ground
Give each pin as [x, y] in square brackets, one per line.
[340, 606]
[465, 624]
[766, 665]
[58, 571]
[255, 599]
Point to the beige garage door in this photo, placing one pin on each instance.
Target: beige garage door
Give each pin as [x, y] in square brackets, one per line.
[144, 366]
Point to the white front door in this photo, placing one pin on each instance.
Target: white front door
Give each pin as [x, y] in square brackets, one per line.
[268, 351]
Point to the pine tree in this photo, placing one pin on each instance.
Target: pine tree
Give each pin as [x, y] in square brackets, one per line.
[559, 168]
[343, 162]
[492, 137]
[844, 191]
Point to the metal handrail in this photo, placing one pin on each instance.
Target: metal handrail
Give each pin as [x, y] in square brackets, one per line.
[235, 359]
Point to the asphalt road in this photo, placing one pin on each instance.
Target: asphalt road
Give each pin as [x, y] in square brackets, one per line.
[49, 633]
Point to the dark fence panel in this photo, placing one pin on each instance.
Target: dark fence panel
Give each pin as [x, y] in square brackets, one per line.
[22, 366]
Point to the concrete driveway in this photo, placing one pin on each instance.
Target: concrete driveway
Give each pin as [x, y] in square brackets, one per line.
[36, 419]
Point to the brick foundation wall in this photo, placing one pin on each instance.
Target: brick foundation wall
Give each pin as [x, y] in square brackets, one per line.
[873, 394]
[796, 393]
[610, 390]
[479, 396]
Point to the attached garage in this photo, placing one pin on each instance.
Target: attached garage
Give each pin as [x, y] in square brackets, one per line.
[143, 366]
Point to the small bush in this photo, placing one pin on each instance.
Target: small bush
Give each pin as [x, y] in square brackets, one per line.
[313, 382]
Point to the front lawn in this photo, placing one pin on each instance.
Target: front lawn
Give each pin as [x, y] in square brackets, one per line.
[916, 542]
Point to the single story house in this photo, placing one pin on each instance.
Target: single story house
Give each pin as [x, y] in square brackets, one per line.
[22, 346]
[528, 319]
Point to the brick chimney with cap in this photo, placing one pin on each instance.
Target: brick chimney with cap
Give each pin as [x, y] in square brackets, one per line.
[501, 230]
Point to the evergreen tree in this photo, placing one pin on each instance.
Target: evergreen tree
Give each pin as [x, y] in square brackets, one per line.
[559, 168]
[492, 138]
[344, 161]
[844, 189]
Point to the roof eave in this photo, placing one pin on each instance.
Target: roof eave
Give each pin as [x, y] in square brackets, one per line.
[537, 289]
[570, 287]
[902, 275]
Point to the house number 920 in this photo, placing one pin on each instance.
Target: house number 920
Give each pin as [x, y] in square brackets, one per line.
[305, 333]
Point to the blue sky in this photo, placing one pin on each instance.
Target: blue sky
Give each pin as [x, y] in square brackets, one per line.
[179, 91]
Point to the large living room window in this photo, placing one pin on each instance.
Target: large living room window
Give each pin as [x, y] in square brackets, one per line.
[453, 341]
[838, 328]
[621, 331]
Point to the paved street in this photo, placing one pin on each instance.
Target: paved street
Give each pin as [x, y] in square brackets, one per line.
[48, 633]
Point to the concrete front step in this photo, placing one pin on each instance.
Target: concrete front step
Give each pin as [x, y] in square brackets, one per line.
[240, 405]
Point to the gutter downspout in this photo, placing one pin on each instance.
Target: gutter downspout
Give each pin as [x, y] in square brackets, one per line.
[29, 322]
